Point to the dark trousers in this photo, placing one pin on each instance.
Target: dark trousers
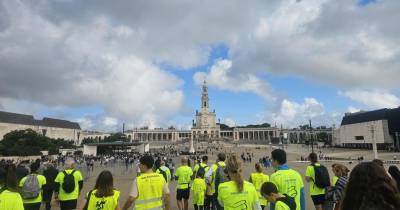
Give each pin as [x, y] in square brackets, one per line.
[32, 206]
[47, 195]
[196, 207]
[215, 202]
[208, 202]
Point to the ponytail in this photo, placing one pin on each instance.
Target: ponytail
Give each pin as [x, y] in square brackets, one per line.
[234, 167]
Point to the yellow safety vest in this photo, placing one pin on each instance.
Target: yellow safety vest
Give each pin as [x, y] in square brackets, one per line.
[258, 179]
[231, 199]
[150, 189]
[103, 203]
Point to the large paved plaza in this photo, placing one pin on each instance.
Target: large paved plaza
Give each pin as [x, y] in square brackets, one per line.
[123, 179]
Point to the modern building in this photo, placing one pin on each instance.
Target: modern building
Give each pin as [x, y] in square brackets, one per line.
[53, 128]
[205, 127]
[362, 129]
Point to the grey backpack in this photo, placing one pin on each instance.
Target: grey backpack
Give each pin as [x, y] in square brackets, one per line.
[31, 188]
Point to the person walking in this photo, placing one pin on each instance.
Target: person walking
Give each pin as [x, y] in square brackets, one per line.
[103, 196]
[334, 194]
[218, 176]
[237, 193]
[68, 186]
[164, 170]
[280, 201]
[32, 188]
[149, 190]
[201, 166]
[257, 179]
[10, 199]
[50, 173]
[370, 188]
[318, 177]
[287, 181]
[199, 190]
[183, 176]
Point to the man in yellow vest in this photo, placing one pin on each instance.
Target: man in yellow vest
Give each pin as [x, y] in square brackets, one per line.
[163, 170]
[287, 180]
[149, 190]
[183, 176]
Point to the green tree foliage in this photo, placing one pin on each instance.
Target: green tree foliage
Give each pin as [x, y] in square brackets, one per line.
[28, 142]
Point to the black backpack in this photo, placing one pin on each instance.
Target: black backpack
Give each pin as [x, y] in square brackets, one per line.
[201, 170]
[322, 179]
[68, 184]
[164, 173]
[289, 201]
[220, 176]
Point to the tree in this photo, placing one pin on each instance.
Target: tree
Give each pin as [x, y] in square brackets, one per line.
[28, 142]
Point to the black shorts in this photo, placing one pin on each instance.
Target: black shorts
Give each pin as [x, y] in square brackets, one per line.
[32, 206]
[318, 199]
[182, 194]
[68, 205]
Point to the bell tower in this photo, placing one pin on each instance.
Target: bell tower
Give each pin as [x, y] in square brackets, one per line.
[204, 98]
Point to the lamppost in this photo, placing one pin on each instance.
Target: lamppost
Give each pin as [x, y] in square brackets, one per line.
[311, 138]
[374, 146]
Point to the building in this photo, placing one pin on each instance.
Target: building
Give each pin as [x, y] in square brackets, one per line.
[157, 134]
[362, 129]
[205, 127]
[53, 128]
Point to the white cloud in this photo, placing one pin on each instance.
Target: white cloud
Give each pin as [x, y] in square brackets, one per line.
[220, 76]
[230, 122]
[352, 109]
[293, 114]
[375, 99]
[76, 53]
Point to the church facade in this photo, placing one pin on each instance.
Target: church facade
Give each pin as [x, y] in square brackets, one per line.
[205, 126]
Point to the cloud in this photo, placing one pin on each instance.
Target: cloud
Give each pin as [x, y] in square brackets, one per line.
[230, 122]
[220, 76]
[375, 99]
[352, 109]
[79, 53]
[293, 114]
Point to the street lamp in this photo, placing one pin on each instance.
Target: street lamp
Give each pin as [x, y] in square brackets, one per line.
[311, 139]
[374, 146]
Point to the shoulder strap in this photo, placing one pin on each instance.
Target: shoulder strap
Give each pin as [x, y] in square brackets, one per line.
[73, 171]
[65, 173]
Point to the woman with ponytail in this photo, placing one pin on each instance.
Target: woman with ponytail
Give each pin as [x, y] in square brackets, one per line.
[237, 193]
[10, 199]
[258, 178]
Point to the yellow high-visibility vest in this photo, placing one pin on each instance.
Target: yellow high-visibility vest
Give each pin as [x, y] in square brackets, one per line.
[150, 190]
[231, 199]
[258, 179]
[103, 203]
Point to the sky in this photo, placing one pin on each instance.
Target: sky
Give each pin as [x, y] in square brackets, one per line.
[103, 63]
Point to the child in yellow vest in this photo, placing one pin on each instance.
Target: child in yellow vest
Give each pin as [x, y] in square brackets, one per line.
[199, 190]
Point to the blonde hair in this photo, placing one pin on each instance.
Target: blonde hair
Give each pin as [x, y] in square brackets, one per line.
[234, 168]
[342, 170]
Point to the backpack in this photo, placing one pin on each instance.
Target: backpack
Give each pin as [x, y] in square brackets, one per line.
[31, 188]
[201, 170]
[68, 184]
[164, 173]
[220, 176]
[289, 201]
[322, 179]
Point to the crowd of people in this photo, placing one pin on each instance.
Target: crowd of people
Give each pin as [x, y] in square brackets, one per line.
[216, 186]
